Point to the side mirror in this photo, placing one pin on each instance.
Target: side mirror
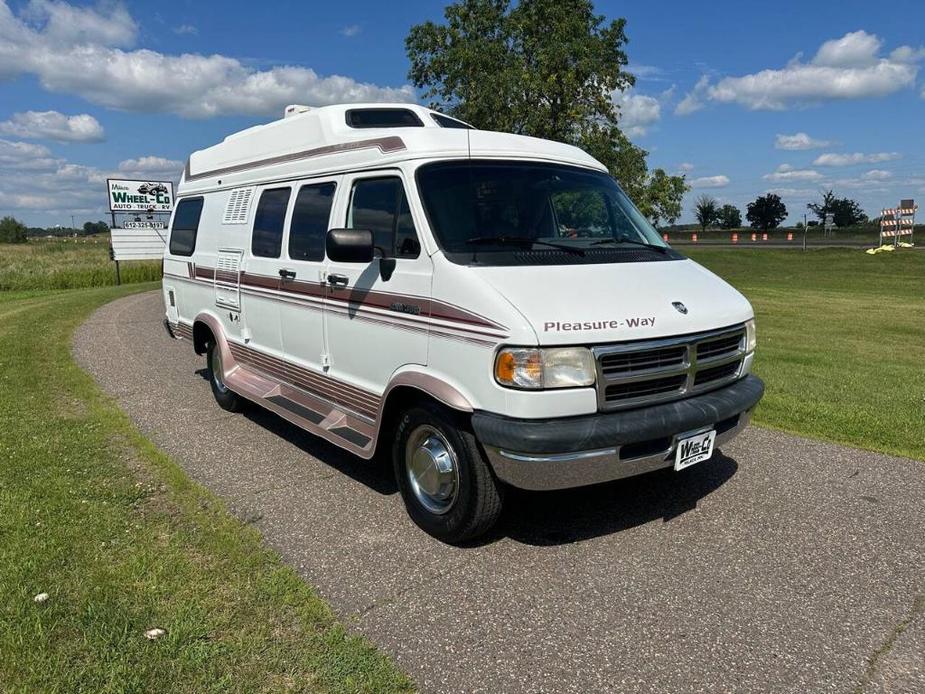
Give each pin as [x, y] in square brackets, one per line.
[349, 245]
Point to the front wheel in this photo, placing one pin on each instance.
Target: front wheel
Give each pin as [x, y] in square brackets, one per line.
[224, 396]
[446, 484]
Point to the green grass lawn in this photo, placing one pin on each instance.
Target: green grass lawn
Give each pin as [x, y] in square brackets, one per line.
[67, 264]
[841, 341]
[122, 542]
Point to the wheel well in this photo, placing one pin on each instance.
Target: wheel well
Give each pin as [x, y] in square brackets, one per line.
[202, 336]
[400, 399]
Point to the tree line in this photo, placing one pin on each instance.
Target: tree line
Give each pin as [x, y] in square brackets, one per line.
[14, 231]
[768, 211]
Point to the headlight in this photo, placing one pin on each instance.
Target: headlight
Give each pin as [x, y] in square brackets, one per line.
[750, 337]
[534, 368]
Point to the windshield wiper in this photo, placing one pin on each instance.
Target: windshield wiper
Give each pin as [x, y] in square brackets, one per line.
[632, 242]
[520, 241]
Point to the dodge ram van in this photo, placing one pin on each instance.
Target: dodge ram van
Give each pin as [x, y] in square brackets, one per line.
[482, 309]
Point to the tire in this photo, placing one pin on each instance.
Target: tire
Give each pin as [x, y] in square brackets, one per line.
[224, 396]
[458, 503]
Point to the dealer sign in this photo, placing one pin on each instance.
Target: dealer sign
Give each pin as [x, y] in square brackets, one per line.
[140, 196]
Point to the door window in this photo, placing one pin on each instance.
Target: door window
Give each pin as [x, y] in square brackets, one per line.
[380, 205]
[267, 240]
[309, 224]
[185, 226]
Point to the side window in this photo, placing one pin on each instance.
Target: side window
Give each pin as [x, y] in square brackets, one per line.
[267, 240]
[185, 226]
[310, 221]
[380, 205]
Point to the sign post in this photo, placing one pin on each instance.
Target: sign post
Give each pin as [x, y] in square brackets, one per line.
[148, 205]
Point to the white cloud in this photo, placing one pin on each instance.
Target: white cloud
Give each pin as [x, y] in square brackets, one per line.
[834, 159]
[151, 167]
[877, 175]
[186, 30]
[24, 156]
[854, 49]
[785, 172]
[694, 100]
[798, 141]
[109, 24]
[685, 167]
[351, 30]
[637, 112]
[646, 72]
[39, 42]
[52, 125]
[846, 68]
[61, 187]
[710, 182]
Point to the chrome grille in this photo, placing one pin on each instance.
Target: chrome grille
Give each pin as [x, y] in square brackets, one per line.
[651, 371]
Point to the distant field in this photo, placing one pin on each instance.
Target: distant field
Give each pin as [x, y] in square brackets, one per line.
[841, 341]
[860, 236]
[67, 264]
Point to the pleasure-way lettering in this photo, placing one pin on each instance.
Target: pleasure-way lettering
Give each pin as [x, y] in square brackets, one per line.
[481, 309]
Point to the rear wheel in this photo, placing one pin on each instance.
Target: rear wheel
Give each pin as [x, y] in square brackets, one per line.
[225, 398]
[447, 486]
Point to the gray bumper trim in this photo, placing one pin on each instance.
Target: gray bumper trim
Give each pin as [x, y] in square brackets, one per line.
[575, 451]
[566, 470]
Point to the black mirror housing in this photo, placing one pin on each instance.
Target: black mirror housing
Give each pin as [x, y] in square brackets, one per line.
[349, 245]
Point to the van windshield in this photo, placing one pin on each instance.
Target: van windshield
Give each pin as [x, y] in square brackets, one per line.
[522, 213]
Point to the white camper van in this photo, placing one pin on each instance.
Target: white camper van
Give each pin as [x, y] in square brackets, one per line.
[483, 309]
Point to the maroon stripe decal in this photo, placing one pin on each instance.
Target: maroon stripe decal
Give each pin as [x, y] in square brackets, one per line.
[350, 299]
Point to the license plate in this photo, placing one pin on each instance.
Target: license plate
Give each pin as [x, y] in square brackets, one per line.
[693, 449]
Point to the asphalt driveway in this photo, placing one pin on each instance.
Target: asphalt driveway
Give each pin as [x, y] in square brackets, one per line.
[783, 564]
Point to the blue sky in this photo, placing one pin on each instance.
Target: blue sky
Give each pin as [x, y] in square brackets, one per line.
[744, 98]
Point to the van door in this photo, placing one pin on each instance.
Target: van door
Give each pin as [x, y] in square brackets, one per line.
[303, 285]
[376, 313]
[260, 279]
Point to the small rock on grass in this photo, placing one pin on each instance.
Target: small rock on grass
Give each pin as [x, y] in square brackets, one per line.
[154, 634]
[41, 597]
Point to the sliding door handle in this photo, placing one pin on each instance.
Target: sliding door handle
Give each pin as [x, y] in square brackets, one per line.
[338, 280]
[287, 274]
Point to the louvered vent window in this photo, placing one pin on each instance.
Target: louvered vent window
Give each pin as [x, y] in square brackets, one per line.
[238, 206]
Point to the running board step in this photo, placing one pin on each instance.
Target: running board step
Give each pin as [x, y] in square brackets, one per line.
[297, 408]
[347, 433]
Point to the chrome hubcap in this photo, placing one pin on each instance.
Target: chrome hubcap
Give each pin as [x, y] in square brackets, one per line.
[218, 371]
[432, 469]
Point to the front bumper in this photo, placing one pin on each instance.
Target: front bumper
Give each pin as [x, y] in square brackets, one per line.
[577, 451]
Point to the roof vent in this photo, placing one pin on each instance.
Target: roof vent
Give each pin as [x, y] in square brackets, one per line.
[295, 109]
[238, 207]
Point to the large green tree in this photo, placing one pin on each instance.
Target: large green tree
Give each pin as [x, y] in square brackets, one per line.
[729, 217]
[845, 211]
[12, 230]
[546, 68]
[766, 212]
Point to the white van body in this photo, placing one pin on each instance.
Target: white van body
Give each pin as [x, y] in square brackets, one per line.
[344, 349]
